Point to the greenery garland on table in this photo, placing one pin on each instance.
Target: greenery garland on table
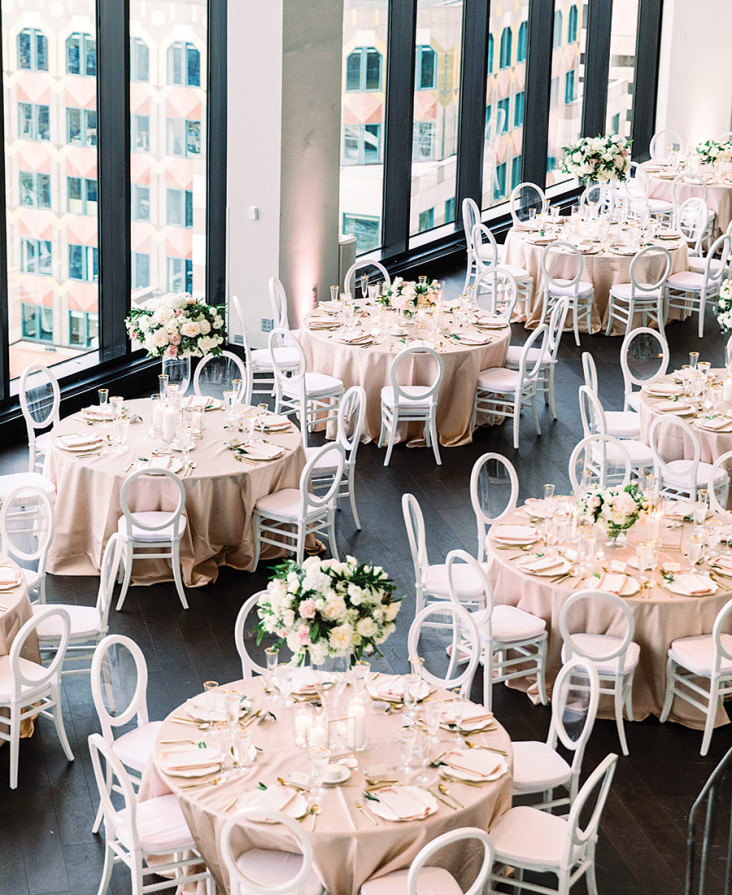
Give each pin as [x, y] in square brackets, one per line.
[712, 151]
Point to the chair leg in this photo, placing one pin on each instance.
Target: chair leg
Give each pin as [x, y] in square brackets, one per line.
[392, 436]
[300, 552]
[352, 496]
[14, 747]
[58, 720]
[382, 431]
[535, 414]
[488, 679]
[575, 323]
[257, 539]
[590, 877]
[711, 712]
[610, 312]
[550, 386]
[177, 577]
[433, 435]
[332, 535]
[619, 716]
[107, 870]
[128, 576]
[541, 671]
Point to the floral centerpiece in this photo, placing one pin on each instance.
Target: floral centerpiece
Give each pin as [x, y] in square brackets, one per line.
[723, 308]
[328, 608]
[597, 159]
[177, 326]
[408, 296]
[613, 509]
[712, 151]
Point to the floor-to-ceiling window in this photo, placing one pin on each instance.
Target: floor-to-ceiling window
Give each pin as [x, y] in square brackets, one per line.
[621, 77]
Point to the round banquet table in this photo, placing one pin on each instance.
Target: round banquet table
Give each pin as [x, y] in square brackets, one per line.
[659, 616]
[15, 611]
[369, 366]
[348, 848]
[719, 192]
[713, 443]
[602, 268]
[220, 497]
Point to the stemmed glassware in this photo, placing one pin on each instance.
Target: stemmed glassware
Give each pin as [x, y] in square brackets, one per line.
[432, 715]
[457, 707]
[272, 656]
[407, 739]
[421, 751]
[319, 758]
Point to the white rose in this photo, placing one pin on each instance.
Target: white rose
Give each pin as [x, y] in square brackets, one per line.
[312, 563]
[288, 618]
[335, 609]
[293, 582]
[190, 329]
[391, 610]
[367, 627]
[160, 338]
[205, 326]
[318, 652]
[317, 581]
[218, 321]
[341, 638]
[143, 323]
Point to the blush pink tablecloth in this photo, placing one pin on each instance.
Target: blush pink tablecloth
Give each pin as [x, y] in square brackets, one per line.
[16, 612]
[719, 197]
[659, 618]
[369, 367]
[603, 270]
[348, 849]
[220, 498]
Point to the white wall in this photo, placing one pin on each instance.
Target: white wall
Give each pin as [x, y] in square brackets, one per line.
[695, 84]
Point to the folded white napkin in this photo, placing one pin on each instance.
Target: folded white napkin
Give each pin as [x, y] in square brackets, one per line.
[190, 759]
[677, 509]
[692, 584]
[405, 801]
[612, 582]
[665, 388]
[262, 450]
[98, 412]
[304, 680]
[274, 798]
[717, 422]
[511, 532]
[474, 340]
[198, 401]
[722, 562]
[473, 715]
[8, 576]
[479, 762]
[388, 687]
[160, 463]
[671, 407]
[542, 564]
[74, 439]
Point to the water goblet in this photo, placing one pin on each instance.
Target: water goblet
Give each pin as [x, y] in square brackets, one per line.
[210, 700]
[241, 745]
[693, 359]
[334, 292]
[549, 491]
[319, 758]
[407, 739]
[586, 546]
[285, 682]
[197, 421]
[364, 286]
[361, 671]
[229, 401]
[232, 703]
[262, 411]
[185, 439]
[421, 751]
[457, 706]
[693, 548]
[432, 715]
[163, 385]
[644, 558]
[410, 690]
[272, 655]
[103, 398]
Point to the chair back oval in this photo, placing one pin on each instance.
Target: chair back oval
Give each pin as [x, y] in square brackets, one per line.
[40, 397]
[693, 183]
[718, 259]
[600, 778]
[557, 319]
[463, 627]
[288, 375]
[249, 666]
[132, 518]
[363, 264]
[691, 221]
[674, 427]
[414, 523]
[463, 834]
[237, 309]
[629, 377]
[592, 412]
[215, 374]
[309, 500]
[601, 452]
[485, 247]
[637, 187]
[529, 370]
[565, 690]
[564, 283]
[178, 371]
[278, 301]
[589, 369]
[480, 485]
[495, 291]
[525, 197]
[647, 256]
[108, 577]
[476, 569]
[715, 504]
[662, 142]
[101, 683]
[599, 197]
[408, 357]
[46, 675]
[625, 619]
[471, 219]
[722, 649]
[351, 419]
[27, 525]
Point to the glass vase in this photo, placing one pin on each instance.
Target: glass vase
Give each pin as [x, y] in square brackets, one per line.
[178, 371]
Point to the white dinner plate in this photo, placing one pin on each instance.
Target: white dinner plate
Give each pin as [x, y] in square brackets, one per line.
[261, 450]
[675, 589]
[382, 810]
[78, 448]
[7, 587]
[466, 775]
[297, 808]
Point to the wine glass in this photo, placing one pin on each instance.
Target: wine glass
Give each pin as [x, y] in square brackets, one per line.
[407, 739]
[209, 701]
[432, 715]
[319, 758]
[421, 751]
[272, 655]
[457, 706]
[185, 438]
[361, 672]
[241, 744]
[232, 703]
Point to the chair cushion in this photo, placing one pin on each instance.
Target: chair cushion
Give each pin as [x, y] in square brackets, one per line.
[32, 578]
[562, 287]
[272, 868]
[601, 644]
[135, 747]
[8, 483]
[499, 379]
[510, 623]
[660, 206]
[152, 517]
[431, 881]
[518, 273]
[677, 474]
[640, 454]
[281, 504]
[85, 620]
[317, 385]
[697, 653]
[634, 401]
[536, 767]
[624, 291]
[161, 827]
[686, 280]
[623, 423]
[467, 583]
[513, 357]
[44, 441]
[530, 838]
[699, 265]
[286, 357]
[30, 670]
[413, 401]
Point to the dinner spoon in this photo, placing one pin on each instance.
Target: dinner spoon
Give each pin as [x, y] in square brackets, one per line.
[445, 791]
[471, 745]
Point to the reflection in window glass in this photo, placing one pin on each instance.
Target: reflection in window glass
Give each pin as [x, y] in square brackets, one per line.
[621, 79]
[362, 121]
[504, 120]
[565, 102]
[436, 113]
[168, 146]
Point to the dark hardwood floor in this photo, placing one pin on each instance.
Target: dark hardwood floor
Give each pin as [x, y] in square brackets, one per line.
[46, 845]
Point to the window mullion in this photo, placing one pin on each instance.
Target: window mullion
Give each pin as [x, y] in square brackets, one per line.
[536, 102]
[4, 318]
[597, 66]
[645, 93]
[216, 124]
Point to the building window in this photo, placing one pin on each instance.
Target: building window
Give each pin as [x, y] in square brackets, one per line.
[81, 55]
[180, 208]
[365, 229]
[572, 29]
[362, 144]
[184, 65]
[82, 195]
[37, 322]
[140, 137]
[425, 73]
[35, 189]
[184, 137]
[33, 122]
[32, 50]
[450, 210]
[426, 220]
[35, 256]
[505, 57]
[81, 127]
[557, 37]
[491, 43]
[499, 187]
[140, 270]
[569, 86]
[139, 60]
[180, 275]
[83, 263]
[518, 109]
[515, 171]
[83, 329]
[502, 116]
[615, 124]
[423, 141]
[140, 202]
[523, 35]
[488, 114]
[363, 70]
